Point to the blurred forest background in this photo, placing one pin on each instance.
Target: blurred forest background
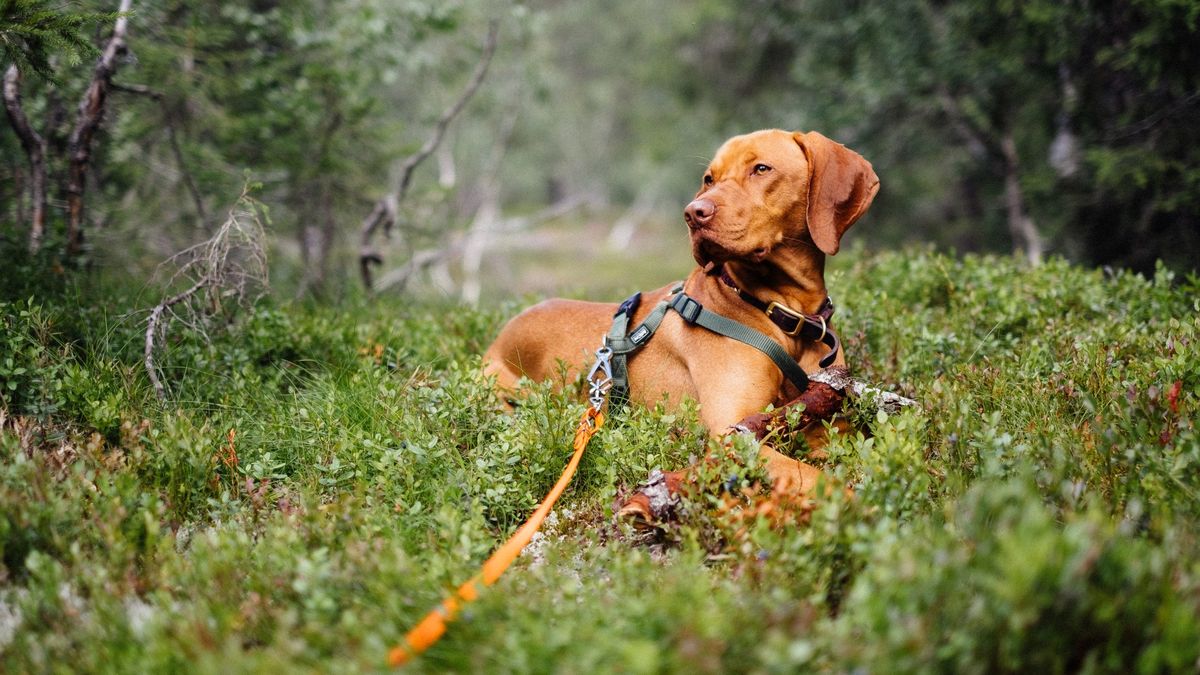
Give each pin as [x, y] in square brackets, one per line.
[476, 149]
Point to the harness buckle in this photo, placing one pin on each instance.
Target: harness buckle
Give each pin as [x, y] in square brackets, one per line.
[687, 308]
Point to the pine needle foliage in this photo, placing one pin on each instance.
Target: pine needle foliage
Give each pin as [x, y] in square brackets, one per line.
[34, 34]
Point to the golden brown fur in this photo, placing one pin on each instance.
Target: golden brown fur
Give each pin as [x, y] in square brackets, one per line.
[770, 207]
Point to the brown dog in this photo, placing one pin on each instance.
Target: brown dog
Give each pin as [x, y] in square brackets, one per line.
[772, 205]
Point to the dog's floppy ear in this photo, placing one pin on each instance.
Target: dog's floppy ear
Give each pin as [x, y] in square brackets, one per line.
[841, 185]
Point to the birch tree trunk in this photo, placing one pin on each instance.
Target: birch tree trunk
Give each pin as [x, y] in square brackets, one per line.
[35, 151]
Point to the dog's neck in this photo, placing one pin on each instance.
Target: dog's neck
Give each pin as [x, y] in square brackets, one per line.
[794, 278]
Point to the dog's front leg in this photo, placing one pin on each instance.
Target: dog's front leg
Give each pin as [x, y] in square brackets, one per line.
[655, 499]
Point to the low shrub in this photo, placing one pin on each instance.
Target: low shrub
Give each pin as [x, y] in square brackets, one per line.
[317, 478]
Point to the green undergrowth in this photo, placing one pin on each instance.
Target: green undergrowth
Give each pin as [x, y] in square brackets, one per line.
[318, 477]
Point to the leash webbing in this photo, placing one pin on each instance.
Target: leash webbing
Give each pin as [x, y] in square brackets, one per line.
[608, 375]
[433, 626]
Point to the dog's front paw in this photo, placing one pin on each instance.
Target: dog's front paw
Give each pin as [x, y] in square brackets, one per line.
[655, 500]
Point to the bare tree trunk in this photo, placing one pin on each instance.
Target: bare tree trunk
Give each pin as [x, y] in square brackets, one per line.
[382, 216]
[310, 243]
[626, 226]
[318, 232]
[91, 112]
[447, 174]
[487, 215]
[985, 142]
[18, 191]
[486, 219]
[35, 150]
[1020, 224]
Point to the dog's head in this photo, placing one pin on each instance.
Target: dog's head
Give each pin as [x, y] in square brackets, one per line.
[774, 189]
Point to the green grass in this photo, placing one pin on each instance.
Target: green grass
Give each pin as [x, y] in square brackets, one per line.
[1040, 513]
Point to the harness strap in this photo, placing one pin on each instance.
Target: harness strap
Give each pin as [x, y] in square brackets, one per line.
[693, 312]
[623, 343]
[814, 327]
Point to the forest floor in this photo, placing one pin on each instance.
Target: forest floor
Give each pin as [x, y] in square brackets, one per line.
[317, 477]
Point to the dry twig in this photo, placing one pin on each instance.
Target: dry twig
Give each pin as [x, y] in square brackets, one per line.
[228, 271]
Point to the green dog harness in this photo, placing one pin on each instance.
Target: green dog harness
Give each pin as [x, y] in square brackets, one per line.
[624, 342]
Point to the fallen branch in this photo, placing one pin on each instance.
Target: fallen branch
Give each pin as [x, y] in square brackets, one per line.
[385, 212]
[232, 264]
[515, 237]
[419, 261]
[487, 213]
[885, 401]
[825, 396]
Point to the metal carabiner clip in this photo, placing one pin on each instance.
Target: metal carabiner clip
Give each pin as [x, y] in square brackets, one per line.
[599, 378]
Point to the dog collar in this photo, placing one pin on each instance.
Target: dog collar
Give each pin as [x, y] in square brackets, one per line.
[814, 327]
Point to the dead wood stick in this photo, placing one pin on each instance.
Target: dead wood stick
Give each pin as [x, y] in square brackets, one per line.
[152, 331]
[825, 396]
[385, 212]
[225, 269]
[420, 260]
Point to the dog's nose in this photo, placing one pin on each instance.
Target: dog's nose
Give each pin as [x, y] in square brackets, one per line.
[699, 213]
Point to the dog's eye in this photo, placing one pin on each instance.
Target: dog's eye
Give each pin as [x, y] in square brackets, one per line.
[761, 168]
[708, 179]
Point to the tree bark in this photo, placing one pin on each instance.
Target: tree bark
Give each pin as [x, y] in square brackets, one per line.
[319, 230]
[34, 146]
[382, 216]
[447, 173]
[1020, 224]
[18, 191]
[91, 112]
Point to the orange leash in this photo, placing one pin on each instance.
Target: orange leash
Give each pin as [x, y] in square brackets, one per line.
[431, 628]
